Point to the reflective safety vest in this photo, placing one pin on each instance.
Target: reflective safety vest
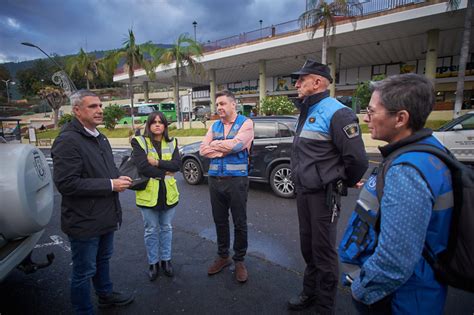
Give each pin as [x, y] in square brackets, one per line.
[149, 196]
[361, 236]
[233, 164]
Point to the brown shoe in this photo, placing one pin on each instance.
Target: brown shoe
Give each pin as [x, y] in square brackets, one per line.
[241, 273]
[219, 264]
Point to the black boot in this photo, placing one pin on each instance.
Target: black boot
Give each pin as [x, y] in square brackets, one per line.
[153, 271]
[167, 268]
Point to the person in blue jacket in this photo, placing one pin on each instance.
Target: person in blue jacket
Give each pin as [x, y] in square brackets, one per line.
[328, 155]
[415, 208]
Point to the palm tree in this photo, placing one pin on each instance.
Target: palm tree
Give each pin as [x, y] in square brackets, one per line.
[466, 36]
[134, 58]
[183, 53]
[87, 65]
[324, 14]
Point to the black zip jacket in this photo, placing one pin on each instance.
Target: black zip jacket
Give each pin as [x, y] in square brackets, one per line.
[83, 168]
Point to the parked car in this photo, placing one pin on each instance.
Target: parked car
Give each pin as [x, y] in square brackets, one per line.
[269, 158]
[458, 136]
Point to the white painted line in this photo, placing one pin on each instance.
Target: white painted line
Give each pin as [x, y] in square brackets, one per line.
[56, 240]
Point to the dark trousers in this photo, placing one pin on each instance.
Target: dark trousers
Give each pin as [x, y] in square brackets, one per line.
[230, 193]
[90, 260]
[318, 242]
[382, 307]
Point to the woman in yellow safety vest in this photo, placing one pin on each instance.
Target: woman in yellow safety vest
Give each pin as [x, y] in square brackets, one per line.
[157, 157]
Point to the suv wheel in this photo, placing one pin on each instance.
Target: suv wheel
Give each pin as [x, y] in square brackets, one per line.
[192, 172]
[280, 181]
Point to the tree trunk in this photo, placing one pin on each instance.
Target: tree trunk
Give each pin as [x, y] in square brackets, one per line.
[87, 84]
[463, 60]
[325, 45]
[176, 101]
[130, 90]
[56, 117]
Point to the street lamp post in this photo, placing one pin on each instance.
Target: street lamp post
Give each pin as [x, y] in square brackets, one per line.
[72, 87]
[194, 25]
[7, 83]
[261, 21]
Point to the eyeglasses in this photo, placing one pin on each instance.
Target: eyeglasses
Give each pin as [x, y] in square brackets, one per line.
[371, 112]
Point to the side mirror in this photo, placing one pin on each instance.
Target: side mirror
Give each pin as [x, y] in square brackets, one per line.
[457, 127]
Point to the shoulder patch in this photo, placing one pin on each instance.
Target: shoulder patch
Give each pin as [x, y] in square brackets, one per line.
[351, 130]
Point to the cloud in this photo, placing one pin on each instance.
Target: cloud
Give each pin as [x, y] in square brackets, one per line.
[63, 27]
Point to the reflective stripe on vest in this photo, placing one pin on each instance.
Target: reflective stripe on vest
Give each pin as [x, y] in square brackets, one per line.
[149, 196]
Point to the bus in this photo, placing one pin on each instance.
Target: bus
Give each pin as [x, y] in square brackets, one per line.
[141, 111]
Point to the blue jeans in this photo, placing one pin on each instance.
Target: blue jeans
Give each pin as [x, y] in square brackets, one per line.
[158, 233]
[90, 260]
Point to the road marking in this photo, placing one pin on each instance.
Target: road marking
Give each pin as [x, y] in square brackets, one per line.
[56, 240]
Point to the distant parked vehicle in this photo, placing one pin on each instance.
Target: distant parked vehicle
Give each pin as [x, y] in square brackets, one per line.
[458, 136]
[141, 111]
[269, 160]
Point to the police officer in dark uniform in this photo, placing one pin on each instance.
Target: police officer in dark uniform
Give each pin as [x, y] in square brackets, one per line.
[328, 155]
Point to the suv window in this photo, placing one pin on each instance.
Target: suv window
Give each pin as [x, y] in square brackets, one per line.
[468, 124]
[265, 130]
[284, 130]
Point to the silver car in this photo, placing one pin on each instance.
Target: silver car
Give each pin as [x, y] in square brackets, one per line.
[458, 136]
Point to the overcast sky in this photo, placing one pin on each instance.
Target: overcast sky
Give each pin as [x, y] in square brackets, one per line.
[64, 26]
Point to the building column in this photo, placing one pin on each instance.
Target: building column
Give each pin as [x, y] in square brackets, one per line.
[212, 89]
[432, 54]
[146, 91]
[332, 67]
[262, 81]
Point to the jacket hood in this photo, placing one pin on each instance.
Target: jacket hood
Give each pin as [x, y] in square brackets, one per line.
[75, 126]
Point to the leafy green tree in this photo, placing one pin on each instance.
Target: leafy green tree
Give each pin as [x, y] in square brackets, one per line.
[277, 105]
[324, 13]
[31, 80]
[112, 114]
[133, 56]
[362, 94]
[65, 119]
[183, 53]
[55, 98]
[466, 38]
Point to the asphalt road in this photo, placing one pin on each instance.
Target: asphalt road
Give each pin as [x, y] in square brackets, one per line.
[274, 262]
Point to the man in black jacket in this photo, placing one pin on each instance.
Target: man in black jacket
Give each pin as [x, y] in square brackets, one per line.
[328, 155]
[89, 182]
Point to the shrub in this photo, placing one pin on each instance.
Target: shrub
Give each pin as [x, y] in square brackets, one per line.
[362, 94]
[277, 105]
[112, 114]
[65, 118]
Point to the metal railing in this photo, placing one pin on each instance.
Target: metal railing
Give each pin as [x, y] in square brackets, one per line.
[368, 8]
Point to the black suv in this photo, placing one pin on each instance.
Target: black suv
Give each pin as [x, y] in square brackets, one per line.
[270, 156]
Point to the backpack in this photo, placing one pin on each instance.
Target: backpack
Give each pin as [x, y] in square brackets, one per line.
[455, 265]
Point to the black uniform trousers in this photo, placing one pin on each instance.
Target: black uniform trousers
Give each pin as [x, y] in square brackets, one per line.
[230, 193]
[318, 246]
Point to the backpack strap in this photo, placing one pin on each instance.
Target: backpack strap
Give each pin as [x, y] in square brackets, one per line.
[446, 156]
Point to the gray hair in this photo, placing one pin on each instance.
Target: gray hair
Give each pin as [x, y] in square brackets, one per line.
[227, 93]
[77, 97]
[411, 92]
